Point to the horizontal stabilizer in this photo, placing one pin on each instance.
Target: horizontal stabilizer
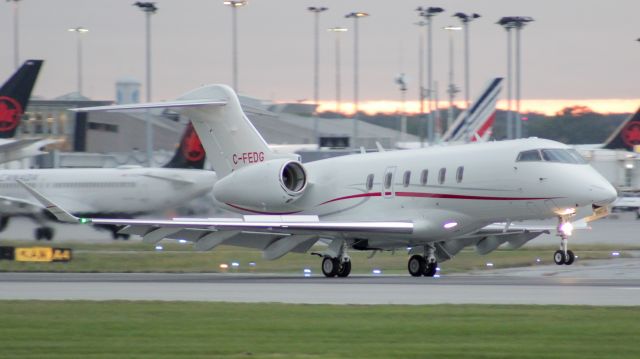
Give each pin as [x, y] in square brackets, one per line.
[150, 105]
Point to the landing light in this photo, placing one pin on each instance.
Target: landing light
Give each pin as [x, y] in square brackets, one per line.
[566, 228]
[307, 272]
[615, 254]
[235, 264]
[538, 260]
[182, 241]
[450, 225]
[252, 264]
[376, 271]
[159, 248]
[489, 264]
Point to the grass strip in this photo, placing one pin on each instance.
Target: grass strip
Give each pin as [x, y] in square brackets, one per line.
[46, 329]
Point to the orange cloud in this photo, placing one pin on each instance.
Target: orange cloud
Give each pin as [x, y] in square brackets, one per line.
[547, 107]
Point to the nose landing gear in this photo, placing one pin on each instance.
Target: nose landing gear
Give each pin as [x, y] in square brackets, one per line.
[564, 255]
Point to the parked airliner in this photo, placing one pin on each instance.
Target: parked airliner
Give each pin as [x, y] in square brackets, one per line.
[435, 200]
[113, 192]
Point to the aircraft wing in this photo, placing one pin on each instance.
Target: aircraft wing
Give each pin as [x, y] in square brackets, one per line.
[275, 235]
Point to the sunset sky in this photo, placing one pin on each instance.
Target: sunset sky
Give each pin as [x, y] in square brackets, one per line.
[576, 52]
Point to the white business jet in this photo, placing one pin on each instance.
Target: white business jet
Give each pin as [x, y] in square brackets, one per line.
[435, 200]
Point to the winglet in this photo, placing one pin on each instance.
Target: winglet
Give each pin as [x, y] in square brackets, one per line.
[59, 213]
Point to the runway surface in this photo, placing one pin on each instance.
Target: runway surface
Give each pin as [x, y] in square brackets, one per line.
[542, 286]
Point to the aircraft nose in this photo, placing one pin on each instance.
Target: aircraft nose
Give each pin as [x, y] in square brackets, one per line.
[603, 193]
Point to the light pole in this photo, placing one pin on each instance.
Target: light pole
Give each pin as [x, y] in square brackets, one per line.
[520, 23]
[79, 31]
[466, 19]
[355, 16]
[427, 14]
[16, 48]
[149, 9]
[508, 25]
[337, 31]
[401, 81]
[234, 4]
[316, 64]
[452, 89]
[517, 23]
[421, 79]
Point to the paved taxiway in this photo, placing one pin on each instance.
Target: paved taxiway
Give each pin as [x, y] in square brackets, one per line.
[487, 288]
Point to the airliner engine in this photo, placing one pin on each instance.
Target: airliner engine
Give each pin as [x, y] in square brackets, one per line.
[271, 184]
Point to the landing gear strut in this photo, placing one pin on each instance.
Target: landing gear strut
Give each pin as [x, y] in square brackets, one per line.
[426, 265]
[340, 265]
[564, 255]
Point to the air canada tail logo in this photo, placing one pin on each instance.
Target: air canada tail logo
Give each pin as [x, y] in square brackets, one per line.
[10, 112]
[191, 146]
[630, 133]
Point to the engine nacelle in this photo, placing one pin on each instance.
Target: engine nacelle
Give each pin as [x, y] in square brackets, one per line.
[268, 185]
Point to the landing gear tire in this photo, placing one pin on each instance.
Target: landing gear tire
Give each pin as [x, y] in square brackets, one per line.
[431, 269]
[569, 258]
[559, 257]
[330, 267]
[344, 270]
[417, 265]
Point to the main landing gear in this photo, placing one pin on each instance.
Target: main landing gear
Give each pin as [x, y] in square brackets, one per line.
[336, 262]
[564, 255]
[426, 265]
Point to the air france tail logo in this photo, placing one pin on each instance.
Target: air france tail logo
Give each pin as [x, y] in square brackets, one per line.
[191, 146]
[10, 111]
[630, 133]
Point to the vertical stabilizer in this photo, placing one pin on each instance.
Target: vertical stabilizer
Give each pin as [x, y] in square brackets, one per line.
[14, 96]
[476, 122]
[627, 135]
[190, 153]
[229, 139]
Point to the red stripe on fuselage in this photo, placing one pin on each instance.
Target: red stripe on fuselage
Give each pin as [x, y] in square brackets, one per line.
[459, 196]
[406, 194]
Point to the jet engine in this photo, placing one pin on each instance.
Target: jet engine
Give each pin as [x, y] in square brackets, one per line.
[267, 185]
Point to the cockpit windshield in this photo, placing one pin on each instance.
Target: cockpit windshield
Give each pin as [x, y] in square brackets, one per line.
[560, 155]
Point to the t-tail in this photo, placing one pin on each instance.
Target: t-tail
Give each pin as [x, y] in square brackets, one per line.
[14, 96]
[627, 135]
[190, 153]
[229, 138]
[476, 123]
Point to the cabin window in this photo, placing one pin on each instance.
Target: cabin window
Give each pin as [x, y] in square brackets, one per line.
[423, 177]
[369, 182]
[459, 174]
[406, 178]
[441, 175]
[387, 180]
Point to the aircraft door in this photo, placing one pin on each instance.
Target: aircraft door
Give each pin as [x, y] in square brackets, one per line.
[388, 190]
